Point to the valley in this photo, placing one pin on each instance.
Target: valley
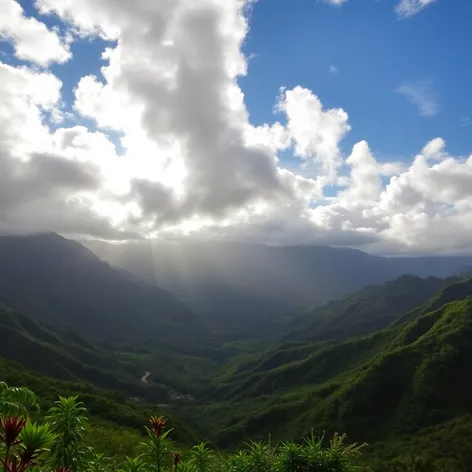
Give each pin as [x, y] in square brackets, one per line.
[387, 364]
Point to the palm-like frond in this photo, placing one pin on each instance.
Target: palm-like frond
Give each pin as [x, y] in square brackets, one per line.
[16, 400]
[36, 441]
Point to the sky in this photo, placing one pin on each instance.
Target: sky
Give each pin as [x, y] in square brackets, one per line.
[340, 122]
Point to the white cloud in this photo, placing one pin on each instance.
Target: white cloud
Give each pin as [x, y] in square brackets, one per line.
[421, 94]
[43, 187]
[408, 8]
[31, 39]
[26, 96]
[333, 70]
[190, 160]
[181, 112]
[364, 183]
[316, 133]
[434, 149]
[335, 2]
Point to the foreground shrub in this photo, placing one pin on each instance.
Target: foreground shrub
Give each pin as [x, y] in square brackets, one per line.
[59, 444]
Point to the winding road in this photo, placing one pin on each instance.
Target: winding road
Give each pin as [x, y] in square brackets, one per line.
[144, 378]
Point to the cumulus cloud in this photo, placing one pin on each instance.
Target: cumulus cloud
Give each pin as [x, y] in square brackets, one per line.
[421, 94]
[31, 39]
[190, 162]
[434, 149]
[315, 132]
[45, 184]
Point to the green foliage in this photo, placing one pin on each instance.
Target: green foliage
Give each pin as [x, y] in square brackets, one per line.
[67, 421]
[97, 462]
[36, 441]
[157, 448]
[15, 400]
[60, 354]
[134, 464]
[118, 417]
[405, 389]
[202, 457]
[59, 443]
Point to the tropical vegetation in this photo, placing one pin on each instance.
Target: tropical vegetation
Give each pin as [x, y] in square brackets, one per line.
[58, 442]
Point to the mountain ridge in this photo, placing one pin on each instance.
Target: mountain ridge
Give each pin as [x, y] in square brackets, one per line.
[226, 279]
[368, 310]
[62, 282]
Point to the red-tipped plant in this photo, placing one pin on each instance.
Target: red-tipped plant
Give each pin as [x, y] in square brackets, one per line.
[157, 447]
[158, 424]
[175, 459]
[14, 465]
[11, 429]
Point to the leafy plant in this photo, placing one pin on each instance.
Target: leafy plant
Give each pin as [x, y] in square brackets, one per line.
[16, 400]
[36, 441]
[59, 443]
[67, 420]
[202, 457]
[157, 447]
[134, 464]
[98, 463]
[26, 444]
[292, 457]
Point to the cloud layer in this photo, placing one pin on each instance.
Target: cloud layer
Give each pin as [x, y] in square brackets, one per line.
[189, 161]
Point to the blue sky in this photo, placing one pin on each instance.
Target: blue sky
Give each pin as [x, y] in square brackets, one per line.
[375, 52]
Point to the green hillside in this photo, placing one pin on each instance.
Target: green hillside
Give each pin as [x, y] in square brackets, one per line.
[60, 282]
[110, 410]
[402, 384]
[67, 356]
[388, 365]
[109, 327]
[366, 311]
